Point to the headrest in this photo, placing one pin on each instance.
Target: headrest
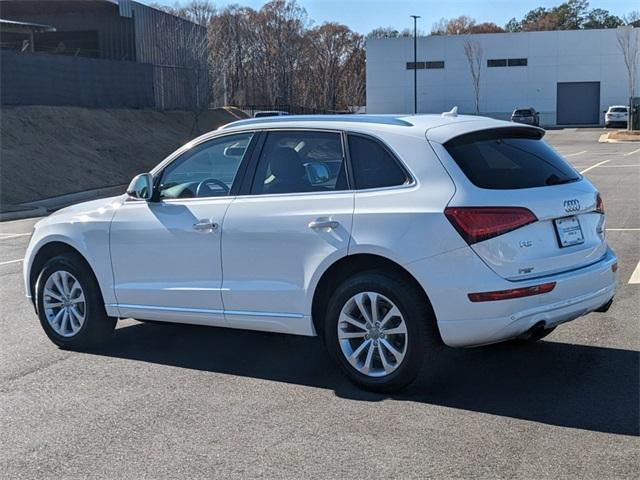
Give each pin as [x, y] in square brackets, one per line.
[285, 163]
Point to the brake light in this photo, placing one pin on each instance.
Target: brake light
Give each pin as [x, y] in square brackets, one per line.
[476, 224]
[513, 293]
[599, 204]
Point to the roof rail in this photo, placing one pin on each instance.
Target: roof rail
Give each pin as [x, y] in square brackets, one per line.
[349, 118]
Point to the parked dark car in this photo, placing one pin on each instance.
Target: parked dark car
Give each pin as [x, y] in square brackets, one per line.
[526, 115]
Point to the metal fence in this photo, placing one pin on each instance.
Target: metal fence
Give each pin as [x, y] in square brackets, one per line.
[45, 79]
[290, 109]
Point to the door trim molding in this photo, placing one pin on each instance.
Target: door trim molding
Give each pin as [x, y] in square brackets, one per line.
[247, 313]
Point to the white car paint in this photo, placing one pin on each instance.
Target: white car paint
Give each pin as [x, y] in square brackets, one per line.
[259, 268]
[614, 115]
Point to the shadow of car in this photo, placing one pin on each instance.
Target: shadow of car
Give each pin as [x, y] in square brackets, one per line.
[577, 386]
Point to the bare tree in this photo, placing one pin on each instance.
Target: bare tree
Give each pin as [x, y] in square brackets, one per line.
[474, 53]
[275, 57]
[629, 42]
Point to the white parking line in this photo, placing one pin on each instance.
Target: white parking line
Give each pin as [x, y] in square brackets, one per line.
[594, 166]
[576, 154]
[11, 261]
[631, 153]
[635, 276]
[619, 166]
[5, 236]
[623, 229]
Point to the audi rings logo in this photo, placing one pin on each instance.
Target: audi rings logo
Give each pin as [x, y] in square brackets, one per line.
[572, 205]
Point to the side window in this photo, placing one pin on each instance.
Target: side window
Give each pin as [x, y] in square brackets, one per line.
[373, 166]
[300, 161]
[207, 170]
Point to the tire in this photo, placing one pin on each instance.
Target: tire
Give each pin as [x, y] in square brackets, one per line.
[385, 290]
[71, 311]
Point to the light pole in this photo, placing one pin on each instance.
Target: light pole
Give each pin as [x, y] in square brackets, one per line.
[415, 62]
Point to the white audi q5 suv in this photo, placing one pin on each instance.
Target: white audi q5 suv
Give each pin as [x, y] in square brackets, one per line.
[387, 236]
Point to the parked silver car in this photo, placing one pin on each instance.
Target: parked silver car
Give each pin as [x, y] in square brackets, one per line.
[526, 115]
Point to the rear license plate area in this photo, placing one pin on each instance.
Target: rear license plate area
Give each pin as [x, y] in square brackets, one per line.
[568, 231]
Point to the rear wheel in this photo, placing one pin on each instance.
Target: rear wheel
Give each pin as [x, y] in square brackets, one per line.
[70, 305]
[377, 328]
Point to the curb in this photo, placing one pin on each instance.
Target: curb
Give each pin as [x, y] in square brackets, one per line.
[604, 138]
[22, 214]
[40, 208]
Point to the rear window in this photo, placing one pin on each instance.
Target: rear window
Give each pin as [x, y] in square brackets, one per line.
[618, 110]
[522, 113]
[507, 159]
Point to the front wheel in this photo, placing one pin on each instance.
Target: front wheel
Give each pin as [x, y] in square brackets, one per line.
[379, 328]
[70, 305]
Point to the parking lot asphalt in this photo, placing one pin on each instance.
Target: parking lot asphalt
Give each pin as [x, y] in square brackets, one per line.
[172, 401]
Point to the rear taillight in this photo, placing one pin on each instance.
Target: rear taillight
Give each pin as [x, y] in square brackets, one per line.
[513, 293]
[599, 204]
[476, 224]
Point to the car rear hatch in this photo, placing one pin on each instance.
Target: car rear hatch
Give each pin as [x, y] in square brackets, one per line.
[523, 115]
[523, 209]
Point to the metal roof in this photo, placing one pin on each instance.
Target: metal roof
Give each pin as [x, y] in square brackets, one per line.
[26, 25]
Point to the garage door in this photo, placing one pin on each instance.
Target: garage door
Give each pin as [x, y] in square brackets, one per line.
[578, 103]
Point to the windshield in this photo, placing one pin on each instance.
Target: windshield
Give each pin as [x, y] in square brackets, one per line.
[618, 110]
[522, 113]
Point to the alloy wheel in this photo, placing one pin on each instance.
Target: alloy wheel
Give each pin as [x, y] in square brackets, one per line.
[64, 303]
[372, 334]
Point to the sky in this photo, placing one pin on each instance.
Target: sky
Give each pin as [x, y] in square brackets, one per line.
[365, 15]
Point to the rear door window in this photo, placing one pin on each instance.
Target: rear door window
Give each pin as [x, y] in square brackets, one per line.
[505, 159]
[300, 162]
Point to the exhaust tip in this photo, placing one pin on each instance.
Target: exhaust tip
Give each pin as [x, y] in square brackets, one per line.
[533, 333]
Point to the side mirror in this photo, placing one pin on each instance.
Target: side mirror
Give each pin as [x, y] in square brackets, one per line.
[317, 172]
[141, 187]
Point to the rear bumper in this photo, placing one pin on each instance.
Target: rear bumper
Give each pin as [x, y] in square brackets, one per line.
[463, 323]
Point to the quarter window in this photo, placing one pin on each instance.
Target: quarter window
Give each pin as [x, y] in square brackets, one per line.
[299, 162]
[373, 165]
[207, 170]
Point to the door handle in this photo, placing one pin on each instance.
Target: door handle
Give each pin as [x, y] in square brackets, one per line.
[320, 223]
[205, 226]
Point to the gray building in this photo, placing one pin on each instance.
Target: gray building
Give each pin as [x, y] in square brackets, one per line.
[569, 76]
[102, 53]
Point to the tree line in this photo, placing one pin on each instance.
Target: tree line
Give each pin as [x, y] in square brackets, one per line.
[570, 15]
[276, 55]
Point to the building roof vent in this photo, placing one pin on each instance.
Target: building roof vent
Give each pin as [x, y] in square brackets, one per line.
[451, 113]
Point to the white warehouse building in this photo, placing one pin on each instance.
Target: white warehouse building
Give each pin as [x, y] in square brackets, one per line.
[570, 77]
